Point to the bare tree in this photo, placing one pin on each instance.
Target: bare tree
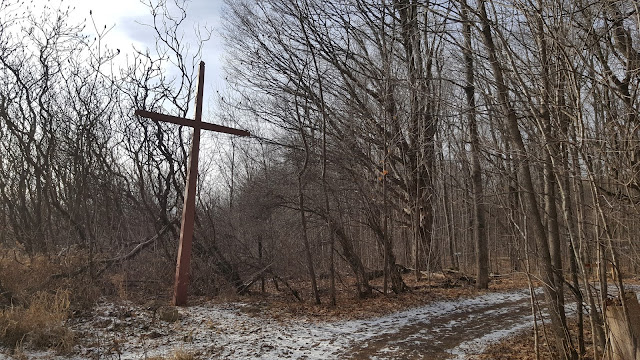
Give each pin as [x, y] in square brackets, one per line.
[482, 261]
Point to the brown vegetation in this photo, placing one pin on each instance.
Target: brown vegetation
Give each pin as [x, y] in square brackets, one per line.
[522, 347]
[177, 355]
[38, 324]
[279, 304]
[481, 136]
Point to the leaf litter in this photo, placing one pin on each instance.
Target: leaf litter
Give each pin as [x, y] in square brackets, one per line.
[233, 330]
[457, 328]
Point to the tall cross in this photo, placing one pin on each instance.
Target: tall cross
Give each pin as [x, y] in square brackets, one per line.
[189, 207]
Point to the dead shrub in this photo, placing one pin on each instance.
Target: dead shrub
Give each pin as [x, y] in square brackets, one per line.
[119, 283]
[40, 324]
[22, 277]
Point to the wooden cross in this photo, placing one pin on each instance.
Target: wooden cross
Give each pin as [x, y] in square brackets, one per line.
[188, 209]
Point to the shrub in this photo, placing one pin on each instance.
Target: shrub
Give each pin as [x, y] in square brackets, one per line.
[22, 277]
[40, 324]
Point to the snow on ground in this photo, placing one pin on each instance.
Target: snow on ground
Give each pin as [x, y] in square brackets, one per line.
[238, 331]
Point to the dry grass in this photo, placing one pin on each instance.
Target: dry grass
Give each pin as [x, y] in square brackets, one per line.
[34, 305]
[22, 277]
[40, 324]
[177, 355]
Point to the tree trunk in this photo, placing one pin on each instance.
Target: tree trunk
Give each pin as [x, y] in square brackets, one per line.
[354, 261]
[524, 174]
[303, 215]
[479, 226]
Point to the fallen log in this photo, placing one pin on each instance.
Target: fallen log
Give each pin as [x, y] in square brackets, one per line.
[375, 274]
[294, 292]
[244, 288]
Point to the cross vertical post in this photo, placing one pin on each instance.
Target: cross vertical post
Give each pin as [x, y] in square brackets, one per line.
[183, 262]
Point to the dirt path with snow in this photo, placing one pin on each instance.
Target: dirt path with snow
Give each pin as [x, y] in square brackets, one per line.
[456, 329]
[449, 330]
[440, 330]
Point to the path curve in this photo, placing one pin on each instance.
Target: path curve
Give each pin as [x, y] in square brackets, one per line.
[448, 329]
[441, 330]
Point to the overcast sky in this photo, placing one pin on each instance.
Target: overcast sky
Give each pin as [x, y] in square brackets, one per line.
[125, 17]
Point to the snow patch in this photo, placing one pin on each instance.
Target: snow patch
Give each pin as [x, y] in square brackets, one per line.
[235, 331]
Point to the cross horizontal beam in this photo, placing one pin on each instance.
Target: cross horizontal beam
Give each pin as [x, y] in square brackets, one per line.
[191, 123]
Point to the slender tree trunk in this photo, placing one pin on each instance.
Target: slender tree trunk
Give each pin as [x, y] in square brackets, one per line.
[354, 261]
[303, 215]
[325, 190]
[261, 263]
[524, 174]
[480, 234]
[549, 175]
[449, 219]
[583, 250]
[571, 220]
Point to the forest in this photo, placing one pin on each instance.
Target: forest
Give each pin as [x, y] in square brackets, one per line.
[391, 140]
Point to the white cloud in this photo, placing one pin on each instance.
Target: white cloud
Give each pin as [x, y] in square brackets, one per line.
[124, 19]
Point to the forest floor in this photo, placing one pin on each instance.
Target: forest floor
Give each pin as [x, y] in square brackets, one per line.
[521, 345]
[436, 320]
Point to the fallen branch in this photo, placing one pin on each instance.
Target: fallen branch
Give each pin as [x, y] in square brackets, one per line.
[293, 291]
[136, 250]
[245, 287]
[120, 259]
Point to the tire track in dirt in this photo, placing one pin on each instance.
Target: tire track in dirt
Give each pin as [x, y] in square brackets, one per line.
[449, 330]
[453, 329]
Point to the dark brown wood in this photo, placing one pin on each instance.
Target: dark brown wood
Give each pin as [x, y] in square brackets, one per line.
[183, 262]
[191, 123]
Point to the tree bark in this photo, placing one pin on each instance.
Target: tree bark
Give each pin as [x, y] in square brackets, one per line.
[479, 222]
[524, 174]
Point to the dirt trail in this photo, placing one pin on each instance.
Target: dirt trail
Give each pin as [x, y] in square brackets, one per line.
[440, 330]
[450, 330]
[456, 329]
